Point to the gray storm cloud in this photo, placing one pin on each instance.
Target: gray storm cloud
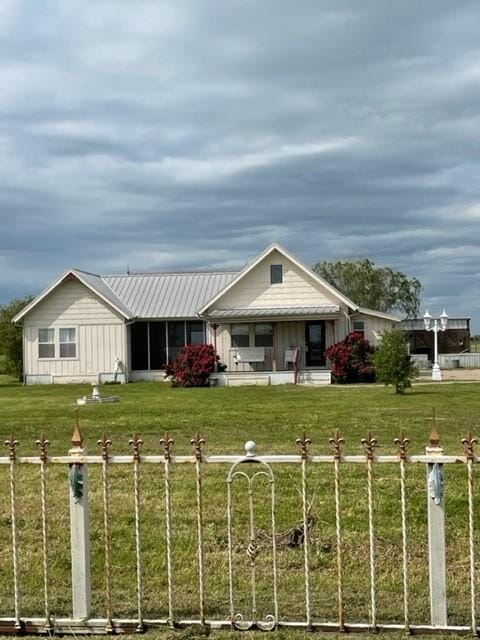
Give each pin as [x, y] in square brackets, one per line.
[191, 135]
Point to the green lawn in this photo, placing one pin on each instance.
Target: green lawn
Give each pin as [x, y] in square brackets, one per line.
[274, 417]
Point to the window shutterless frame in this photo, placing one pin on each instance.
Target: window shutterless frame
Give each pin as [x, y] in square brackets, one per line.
[46, 343]
[67, 340]
[276, 273]
[240, 335]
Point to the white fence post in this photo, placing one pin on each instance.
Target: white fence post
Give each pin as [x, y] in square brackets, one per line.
[436, 532]
[79, 530]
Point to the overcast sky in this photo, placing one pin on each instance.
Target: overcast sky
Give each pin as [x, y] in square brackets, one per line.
[187, 134]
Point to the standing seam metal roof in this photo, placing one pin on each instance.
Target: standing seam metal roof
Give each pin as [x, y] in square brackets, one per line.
[167, 295]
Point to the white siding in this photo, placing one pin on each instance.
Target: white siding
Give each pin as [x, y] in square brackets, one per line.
[255, 290]
[100, 334]
[373, 324]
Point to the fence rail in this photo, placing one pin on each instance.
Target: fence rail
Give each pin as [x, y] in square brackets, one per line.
[253, 476]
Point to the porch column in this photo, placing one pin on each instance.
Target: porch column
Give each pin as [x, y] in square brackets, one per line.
[215, 327]
[274, 342]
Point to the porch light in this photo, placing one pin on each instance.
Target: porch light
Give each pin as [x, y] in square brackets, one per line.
[444, 319]
[427, 318]
[437, 326]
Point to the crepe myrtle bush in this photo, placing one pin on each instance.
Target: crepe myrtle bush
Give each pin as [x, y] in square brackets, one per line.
[193, 366]
[351, 360]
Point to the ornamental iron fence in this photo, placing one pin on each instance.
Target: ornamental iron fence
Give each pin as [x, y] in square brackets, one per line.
[257, 557]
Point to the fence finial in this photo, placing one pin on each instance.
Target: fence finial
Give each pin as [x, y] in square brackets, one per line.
[167, 443]
[104, 443]
[369, 444]
[304, 443]
[336, 445]
[136, 442]
[197, 443]
[402, 442]
[12, 445]
[469, 444]
[434, 440]
[77, 438]
[42, 443]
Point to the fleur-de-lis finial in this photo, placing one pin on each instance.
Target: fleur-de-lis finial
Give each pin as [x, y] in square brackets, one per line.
[167, 443]
[197, 443]
[104, 443]
[42, 443]
[303, 443]
[369, 444]
[136, 442]
[12, 445]
[469, 442]
[402, 442]
[336, 445]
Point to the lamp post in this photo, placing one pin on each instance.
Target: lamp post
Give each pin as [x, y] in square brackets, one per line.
[436, 327]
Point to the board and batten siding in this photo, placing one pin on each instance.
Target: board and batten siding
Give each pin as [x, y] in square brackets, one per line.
[255, 290]
[100, 334]
[373, 324]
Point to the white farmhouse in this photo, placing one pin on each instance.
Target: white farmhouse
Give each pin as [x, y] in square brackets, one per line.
[270, 323]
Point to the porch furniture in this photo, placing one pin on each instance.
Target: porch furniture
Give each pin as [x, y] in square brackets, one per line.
[249, 354]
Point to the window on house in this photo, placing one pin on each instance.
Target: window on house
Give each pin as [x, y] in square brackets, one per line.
[240, 335]
[68, 343]
[176, 339]
[195, 333]
[359, 327]
[263, 334]
[276, 273]
[157, 341]
[46, 343]
[139, 345]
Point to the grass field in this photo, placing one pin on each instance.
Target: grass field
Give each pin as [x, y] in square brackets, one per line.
[274, 417]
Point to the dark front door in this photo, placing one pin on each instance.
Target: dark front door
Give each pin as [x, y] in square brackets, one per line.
[315, 343]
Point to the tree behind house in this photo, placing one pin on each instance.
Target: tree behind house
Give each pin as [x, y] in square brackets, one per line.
[11, 344]
[379, 288]
[393, 364]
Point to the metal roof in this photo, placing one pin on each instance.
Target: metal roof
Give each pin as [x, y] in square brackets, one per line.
[274, 312]
[377, 314]
[167, 295]
[417, 324]
[98, 285]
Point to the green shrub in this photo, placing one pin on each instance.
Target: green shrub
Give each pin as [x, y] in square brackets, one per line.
[392, 361]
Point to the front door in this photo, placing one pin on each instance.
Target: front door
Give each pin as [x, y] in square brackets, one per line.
[315, 343]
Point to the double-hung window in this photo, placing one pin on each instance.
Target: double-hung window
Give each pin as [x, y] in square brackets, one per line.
[46, 343]
[67, 343]
[57, 343]
[240, 335]
[263, 334]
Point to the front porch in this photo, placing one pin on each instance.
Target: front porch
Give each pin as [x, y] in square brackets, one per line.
[274, 346]
[263, 351]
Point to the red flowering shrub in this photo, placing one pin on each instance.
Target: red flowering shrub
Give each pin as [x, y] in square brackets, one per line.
[193, 366]
[351, 360]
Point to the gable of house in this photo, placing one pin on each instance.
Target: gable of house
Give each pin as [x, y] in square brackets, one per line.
[71, 302]
[276, 281]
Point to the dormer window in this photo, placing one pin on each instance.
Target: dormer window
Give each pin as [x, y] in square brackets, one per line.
[276, 273]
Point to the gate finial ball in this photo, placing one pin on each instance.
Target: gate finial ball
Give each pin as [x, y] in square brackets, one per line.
[250, 449]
